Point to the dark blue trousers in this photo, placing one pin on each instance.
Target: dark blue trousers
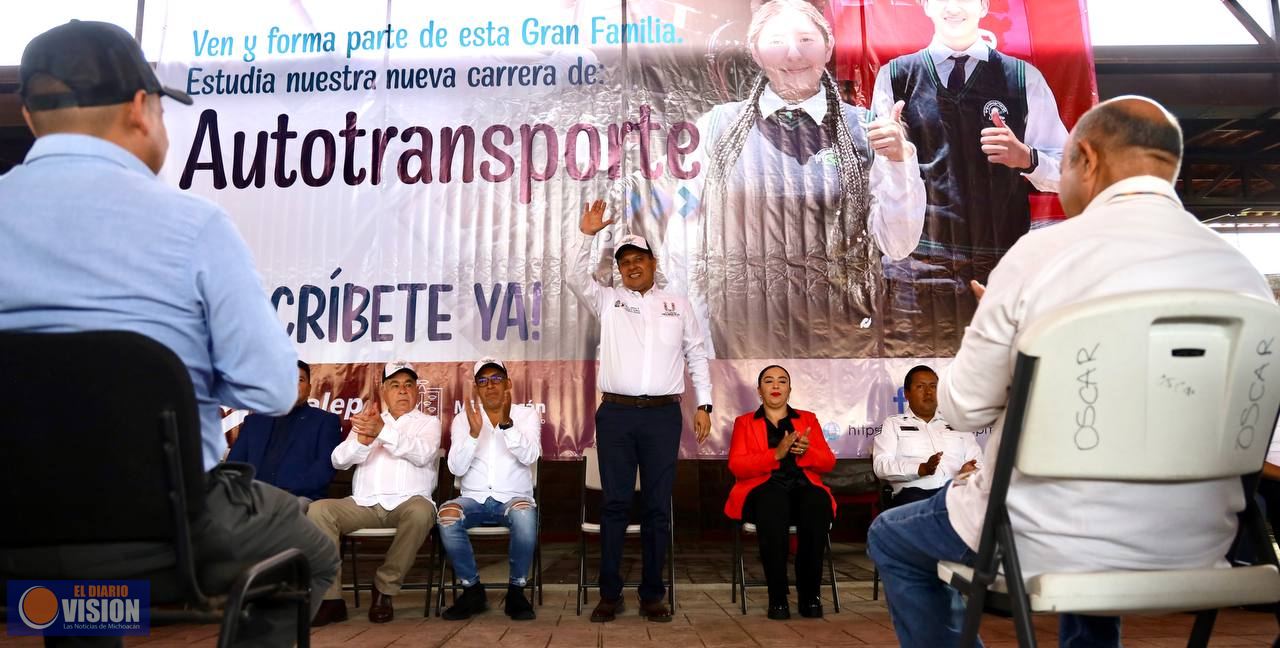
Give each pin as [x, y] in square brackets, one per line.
[627, 438]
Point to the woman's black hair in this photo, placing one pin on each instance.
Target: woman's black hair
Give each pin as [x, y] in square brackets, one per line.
[760, 378]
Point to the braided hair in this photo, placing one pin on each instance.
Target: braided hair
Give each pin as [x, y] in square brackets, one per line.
[851, 163]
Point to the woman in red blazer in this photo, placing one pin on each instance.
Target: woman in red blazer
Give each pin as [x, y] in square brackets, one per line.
[778, 455]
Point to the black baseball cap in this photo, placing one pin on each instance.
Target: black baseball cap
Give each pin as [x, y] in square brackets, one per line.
[99, 62]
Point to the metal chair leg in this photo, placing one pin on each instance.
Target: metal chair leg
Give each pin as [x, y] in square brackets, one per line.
[431, 567]
[671, 564]
[831, 572]
[742, 583]
[582, 570]
[440, 583]
[737, 555]
[1202, 628]
[355, 570]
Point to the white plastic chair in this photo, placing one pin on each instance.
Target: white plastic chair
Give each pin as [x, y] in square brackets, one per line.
[1187, 380]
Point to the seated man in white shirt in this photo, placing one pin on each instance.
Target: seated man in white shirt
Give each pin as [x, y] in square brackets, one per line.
[394, 452]
[918, 452]
[1126, 232]
[493, 452]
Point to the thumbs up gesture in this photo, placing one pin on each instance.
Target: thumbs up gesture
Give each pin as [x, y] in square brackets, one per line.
[888, 136]
[1003, 147]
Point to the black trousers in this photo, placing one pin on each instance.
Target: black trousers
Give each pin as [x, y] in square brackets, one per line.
[627, 438]
[773, 508]
[244, 521]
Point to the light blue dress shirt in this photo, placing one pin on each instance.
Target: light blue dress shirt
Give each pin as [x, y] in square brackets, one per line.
[90, 239]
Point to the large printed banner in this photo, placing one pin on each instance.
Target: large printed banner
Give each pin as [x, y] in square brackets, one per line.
[410, 176]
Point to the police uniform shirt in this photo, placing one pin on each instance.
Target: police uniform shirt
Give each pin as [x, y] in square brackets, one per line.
[906, 441]
[646, 339]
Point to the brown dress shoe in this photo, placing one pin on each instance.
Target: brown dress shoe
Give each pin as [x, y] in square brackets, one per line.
[607, 610]
[331, 611]
[380, 611]
[655, 610]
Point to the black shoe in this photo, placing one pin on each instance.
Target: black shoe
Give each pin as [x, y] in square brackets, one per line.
[471, 602]
[518, 607]
[607, 610]
[331, 611]
[811, 607]
[780, 611]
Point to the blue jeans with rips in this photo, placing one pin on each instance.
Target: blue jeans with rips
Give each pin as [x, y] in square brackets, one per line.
[523, 522]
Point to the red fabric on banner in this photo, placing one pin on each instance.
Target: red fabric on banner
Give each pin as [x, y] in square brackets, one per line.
[1050, 34]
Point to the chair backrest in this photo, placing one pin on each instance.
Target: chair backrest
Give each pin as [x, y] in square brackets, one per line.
[591, 472]
[100, 430]
[1159, 386]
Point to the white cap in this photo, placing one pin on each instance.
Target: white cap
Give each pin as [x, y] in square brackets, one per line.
[487, 362]
[396, 366]
[634, 241]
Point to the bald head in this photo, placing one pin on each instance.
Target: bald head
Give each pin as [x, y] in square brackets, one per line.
[1120, 138]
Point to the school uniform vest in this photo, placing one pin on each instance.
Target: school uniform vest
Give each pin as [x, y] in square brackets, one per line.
[974, 206]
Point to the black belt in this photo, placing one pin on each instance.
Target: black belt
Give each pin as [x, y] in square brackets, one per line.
[641, 401]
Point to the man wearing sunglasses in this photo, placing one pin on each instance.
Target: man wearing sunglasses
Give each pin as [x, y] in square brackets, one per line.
[495, 446]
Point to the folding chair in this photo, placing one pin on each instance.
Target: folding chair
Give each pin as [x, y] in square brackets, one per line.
[740, 582]
[534, 583]
[884, 503]
[1188, 380]
[129, 478]
[591, 482]
[351, 541]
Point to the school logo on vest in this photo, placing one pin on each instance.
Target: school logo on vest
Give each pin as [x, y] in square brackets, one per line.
[69, 608]
[827, 157]
[999, 107]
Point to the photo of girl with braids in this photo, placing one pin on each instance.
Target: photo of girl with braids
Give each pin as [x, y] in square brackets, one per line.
[801, 196]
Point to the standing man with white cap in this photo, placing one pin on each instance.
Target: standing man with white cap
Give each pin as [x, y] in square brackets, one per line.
[394, 452]
[494, 447]
[647, 336]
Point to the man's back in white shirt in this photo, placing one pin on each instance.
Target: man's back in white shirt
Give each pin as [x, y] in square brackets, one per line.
[1133, 237]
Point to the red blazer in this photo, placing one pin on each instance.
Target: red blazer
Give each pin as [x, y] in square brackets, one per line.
[751, 459]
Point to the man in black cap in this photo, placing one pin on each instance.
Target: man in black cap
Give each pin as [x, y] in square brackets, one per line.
[90, 240]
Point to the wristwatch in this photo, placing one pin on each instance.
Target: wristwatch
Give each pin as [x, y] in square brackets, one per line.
[705, 408]
[506, 425]
[1035, 161]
